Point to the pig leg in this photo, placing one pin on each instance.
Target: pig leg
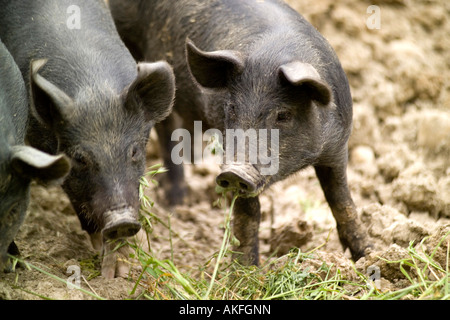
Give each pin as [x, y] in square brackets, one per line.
[115, 253]
[351, 232]
[246, 218]
[116, 260]
[173, 182]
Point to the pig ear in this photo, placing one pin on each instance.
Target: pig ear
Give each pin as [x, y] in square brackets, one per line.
[153, 90]
[49, 103]
[299, 74]
[213, 69]
[37, 165]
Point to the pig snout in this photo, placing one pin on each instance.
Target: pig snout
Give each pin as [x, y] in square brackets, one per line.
[241, 178]
[232, 180]
[120, 223]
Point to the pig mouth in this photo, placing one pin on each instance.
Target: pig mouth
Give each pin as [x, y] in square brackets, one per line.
[243, 193]
[120, 223]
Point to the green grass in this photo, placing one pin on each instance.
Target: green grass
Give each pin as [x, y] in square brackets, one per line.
[281, 278]
[278, 278]
[427, 278]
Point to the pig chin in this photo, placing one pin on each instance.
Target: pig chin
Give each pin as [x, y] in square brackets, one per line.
[246, 194]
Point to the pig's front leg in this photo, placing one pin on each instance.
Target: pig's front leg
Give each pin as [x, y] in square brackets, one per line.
[351, 232]
[173, 180]
[246, 218]
[117, 263]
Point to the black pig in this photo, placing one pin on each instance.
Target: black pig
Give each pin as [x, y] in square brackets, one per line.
[19, 164]
[90, 101]
[248, 64]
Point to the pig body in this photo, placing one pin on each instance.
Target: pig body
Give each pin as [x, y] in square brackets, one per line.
[19, 164]
[91, 101]
[248, 64]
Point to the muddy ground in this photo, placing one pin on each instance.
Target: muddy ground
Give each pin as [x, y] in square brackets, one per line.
[399, 165]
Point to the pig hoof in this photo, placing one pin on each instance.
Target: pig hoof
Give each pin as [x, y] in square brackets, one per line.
[116, 265]
[109, 266]
[114, 262]
[362, 251]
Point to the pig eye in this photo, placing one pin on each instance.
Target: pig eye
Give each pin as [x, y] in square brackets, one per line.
[14, 209]
[135, 153]
[80, 159]
[232, 110]
[284, 116]
[5, 183]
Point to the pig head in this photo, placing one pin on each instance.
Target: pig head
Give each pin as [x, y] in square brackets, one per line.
[271, 115]
[104, 133]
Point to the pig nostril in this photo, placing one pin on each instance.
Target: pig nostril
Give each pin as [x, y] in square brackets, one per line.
[231, 180]
[112, 235]
[243, 186]
[121, 229]
[224, 183]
